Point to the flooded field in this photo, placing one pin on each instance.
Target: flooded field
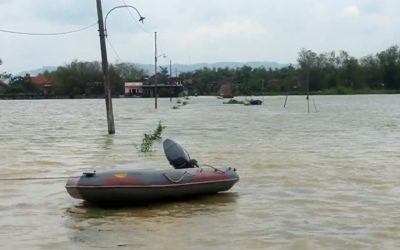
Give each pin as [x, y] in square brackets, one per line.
[319, 180]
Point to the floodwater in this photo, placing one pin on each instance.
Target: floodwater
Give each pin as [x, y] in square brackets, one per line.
[328, 179]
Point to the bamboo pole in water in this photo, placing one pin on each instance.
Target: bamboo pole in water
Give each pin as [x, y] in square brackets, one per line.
[284, 105]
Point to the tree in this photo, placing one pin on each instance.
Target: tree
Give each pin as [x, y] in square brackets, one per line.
[86, 78]
[79, 78]
[371, 71]
[207, 81]
[352, 73]
[308, 62]
[21, 85]
[5, 76]
[389, 61]
[129, 72]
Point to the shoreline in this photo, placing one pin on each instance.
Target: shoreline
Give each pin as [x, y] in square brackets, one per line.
[294, 93]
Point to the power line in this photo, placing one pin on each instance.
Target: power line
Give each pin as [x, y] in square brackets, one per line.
[133, 18]
[130, 13]
[48, 34]
[113, 49]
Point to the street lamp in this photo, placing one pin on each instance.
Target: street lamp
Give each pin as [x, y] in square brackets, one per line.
[141, 18]
[104, 61]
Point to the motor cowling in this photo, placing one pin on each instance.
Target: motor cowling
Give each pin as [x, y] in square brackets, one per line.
[177, 156]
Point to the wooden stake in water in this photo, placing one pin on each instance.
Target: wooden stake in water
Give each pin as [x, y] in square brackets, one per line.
[284, 105]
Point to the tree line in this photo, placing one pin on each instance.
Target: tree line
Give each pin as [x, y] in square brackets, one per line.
[77, 79]
[331, 72]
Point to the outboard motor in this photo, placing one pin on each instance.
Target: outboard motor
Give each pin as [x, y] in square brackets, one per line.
[177, 156]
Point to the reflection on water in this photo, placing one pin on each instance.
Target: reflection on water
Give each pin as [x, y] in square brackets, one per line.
[308, 181]
[174, 209]
[107, 141]
[127, 226]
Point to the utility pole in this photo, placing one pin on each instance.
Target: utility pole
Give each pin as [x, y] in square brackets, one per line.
[170, 69]
[308, 90]
[106, 77]
[170, 80]
[155, 70]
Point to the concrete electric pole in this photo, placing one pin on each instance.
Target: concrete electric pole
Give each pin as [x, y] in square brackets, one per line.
[104, 63]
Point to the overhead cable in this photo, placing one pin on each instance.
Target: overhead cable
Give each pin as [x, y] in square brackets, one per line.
[48, 34]
[113, 49]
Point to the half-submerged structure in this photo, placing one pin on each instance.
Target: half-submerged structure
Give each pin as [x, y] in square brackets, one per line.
[225, 90]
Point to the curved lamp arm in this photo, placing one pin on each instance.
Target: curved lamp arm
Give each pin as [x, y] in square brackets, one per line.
[141, 18]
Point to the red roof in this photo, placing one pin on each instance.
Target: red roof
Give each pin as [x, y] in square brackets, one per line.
[40, 80]
[3, 85]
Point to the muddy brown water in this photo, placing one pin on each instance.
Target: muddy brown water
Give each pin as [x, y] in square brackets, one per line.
[319, 180]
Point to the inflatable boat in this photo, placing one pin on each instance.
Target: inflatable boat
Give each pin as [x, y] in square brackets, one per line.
[131, 186]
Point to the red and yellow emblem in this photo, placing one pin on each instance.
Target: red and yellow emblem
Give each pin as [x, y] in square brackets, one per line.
[121, 175]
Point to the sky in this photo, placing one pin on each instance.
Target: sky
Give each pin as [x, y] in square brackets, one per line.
[194, 31]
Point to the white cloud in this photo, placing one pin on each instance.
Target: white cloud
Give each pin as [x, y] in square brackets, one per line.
[351, 10]
[228, 41]
[225, 30]
[196, 30]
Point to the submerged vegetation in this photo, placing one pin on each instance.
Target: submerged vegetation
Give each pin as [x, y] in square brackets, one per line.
[233, 101]
[149, 139]
[244, 102]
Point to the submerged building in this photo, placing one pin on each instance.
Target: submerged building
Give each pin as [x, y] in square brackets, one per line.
[166, 87]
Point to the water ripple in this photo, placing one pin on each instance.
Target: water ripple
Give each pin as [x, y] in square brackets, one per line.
[308, 181]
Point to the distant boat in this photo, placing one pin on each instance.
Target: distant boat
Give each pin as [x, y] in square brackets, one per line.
[226, 90]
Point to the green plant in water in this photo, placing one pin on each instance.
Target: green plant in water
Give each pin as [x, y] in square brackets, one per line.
[148, 140]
